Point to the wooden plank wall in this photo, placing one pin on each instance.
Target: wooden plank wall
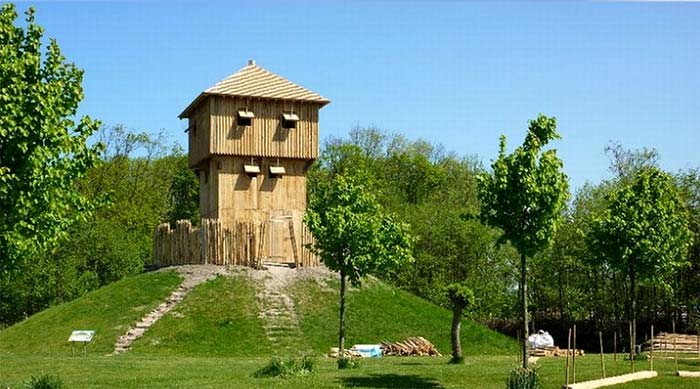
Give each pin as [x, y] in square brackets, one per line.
[214, 243]
[266, 137]
[199, 136]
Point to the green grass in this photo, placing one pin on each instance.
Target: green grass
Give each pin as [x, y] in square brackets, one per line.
[216, 340]
[139, 371]
[109, 311]
[377, 312]
[218, 318]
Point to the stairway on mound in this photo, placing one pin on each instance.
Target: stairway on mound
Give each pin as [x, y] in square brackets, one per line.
[192, 275]
[277, 310]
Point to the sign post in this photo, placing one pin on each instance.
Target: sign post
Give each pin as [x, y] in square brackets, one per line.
[81, 336]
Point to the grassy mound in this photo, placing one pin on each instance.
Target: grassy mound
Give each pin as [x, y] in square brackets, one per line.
[218, 318]
[109, 311]
[221, 318]
[377, 312]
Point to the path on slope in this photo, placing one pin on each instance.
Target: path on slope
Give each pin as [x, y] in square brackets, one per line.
[277, 309]
[192, 275]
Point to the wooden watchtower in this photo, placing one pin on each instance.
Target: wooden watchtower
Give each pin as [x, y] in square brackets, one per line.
[252, 138]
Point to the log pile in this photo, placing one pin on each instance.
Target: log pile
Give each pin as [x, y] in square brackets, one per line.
[674, 342]
[554, 352]
[414, 346]
[349, 353]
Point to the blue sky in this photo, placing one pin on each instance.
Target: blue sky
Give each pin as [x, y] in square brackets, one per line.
[456, 73]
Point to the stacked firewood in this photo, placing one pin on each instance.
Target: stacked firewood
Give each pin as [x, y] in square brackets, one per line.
[410, 347]
[555, 351]
[679, 342]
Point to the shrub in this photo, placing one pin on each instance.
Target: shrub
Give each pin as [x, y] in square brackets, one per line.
[348, 363]
[292, 367]
[637, 357]
[520, 378]
[45, 381]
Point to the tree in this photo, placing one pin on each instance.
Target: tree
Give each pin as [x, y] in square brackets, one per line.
[525, 196]
[353, 236]
[643, 232]
[42, 151]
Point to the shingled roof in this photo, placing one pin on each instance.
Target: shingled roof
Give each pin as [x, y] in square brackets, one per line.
[254, 81]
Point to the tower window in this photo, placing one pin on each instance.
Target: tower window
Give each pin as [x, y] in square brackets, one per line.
[277, 171]
[251, 170]
[245, 117]
[289, 120]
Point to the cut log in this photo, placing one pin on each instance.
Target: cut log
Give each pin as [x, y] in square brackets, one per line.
[689, 374]
[620, 379]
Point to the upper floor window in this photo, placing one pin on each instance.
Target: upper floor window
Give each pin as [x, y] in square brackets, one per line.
[289, 120]
[245, 117]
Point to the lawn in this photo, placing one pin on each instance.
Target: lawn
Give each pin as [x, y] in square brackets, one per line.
[109, 311]
[139, 371]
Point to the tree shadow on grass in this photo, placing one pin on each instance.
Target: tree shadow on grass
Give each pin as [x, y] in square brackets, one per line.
[391, 381]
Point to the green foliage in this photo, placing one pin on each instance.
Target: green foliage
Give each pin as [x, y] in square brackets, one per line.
[644, 229]
[45, 381]
[351, 233]
[132, 186]
[460, 294]
[524, 197]
[184, 192]
[348, 363]
[293, 367]
[520, 378]
[435, 192]
[527, 191]
[44, 152]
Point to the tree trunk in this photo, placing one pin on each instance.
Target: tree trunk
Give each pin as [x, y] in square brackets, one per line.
[341, 329]
[523, 301]
[457, 310]
[633, 296]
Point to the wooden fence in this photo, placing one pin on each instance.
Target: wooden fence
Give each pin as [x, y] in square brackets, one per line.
[240, 243]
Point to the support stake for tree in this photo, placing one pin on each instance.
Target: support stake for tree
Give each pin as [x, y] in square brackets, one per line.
[675, 352]
[573, 360]
[631, 347]
[651, 350]
[568, 346]
[615, 345]
[602, 360]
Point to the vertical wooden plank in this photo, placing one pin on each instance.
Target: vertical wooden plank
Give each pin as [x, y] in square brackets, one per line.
[602, 359]
[568, 348]
[651, 350]
[573, 359]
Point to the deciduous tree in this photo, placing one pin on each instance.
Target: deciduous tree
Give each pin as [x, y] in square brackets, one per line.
[643, 232]
[43, 152]
[353, 236]
[524, 196]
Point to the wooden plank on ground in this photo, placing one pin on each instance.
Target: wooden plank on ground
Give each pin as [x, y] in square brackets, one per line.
[620, 379]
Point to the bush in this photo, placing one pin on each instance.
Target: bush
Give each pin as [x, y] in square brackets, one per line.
[637, 357]
[45, 381]
[520, 378]
[292, 367]
[348, 363]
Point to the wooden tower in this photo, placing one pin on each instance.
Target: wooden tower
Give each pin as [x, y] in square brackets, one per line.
[252, 138]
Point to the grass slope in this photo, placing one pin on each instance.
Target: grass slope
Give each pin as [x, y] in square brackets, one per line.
[377, 312]
[109, 311]
[218, 318]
